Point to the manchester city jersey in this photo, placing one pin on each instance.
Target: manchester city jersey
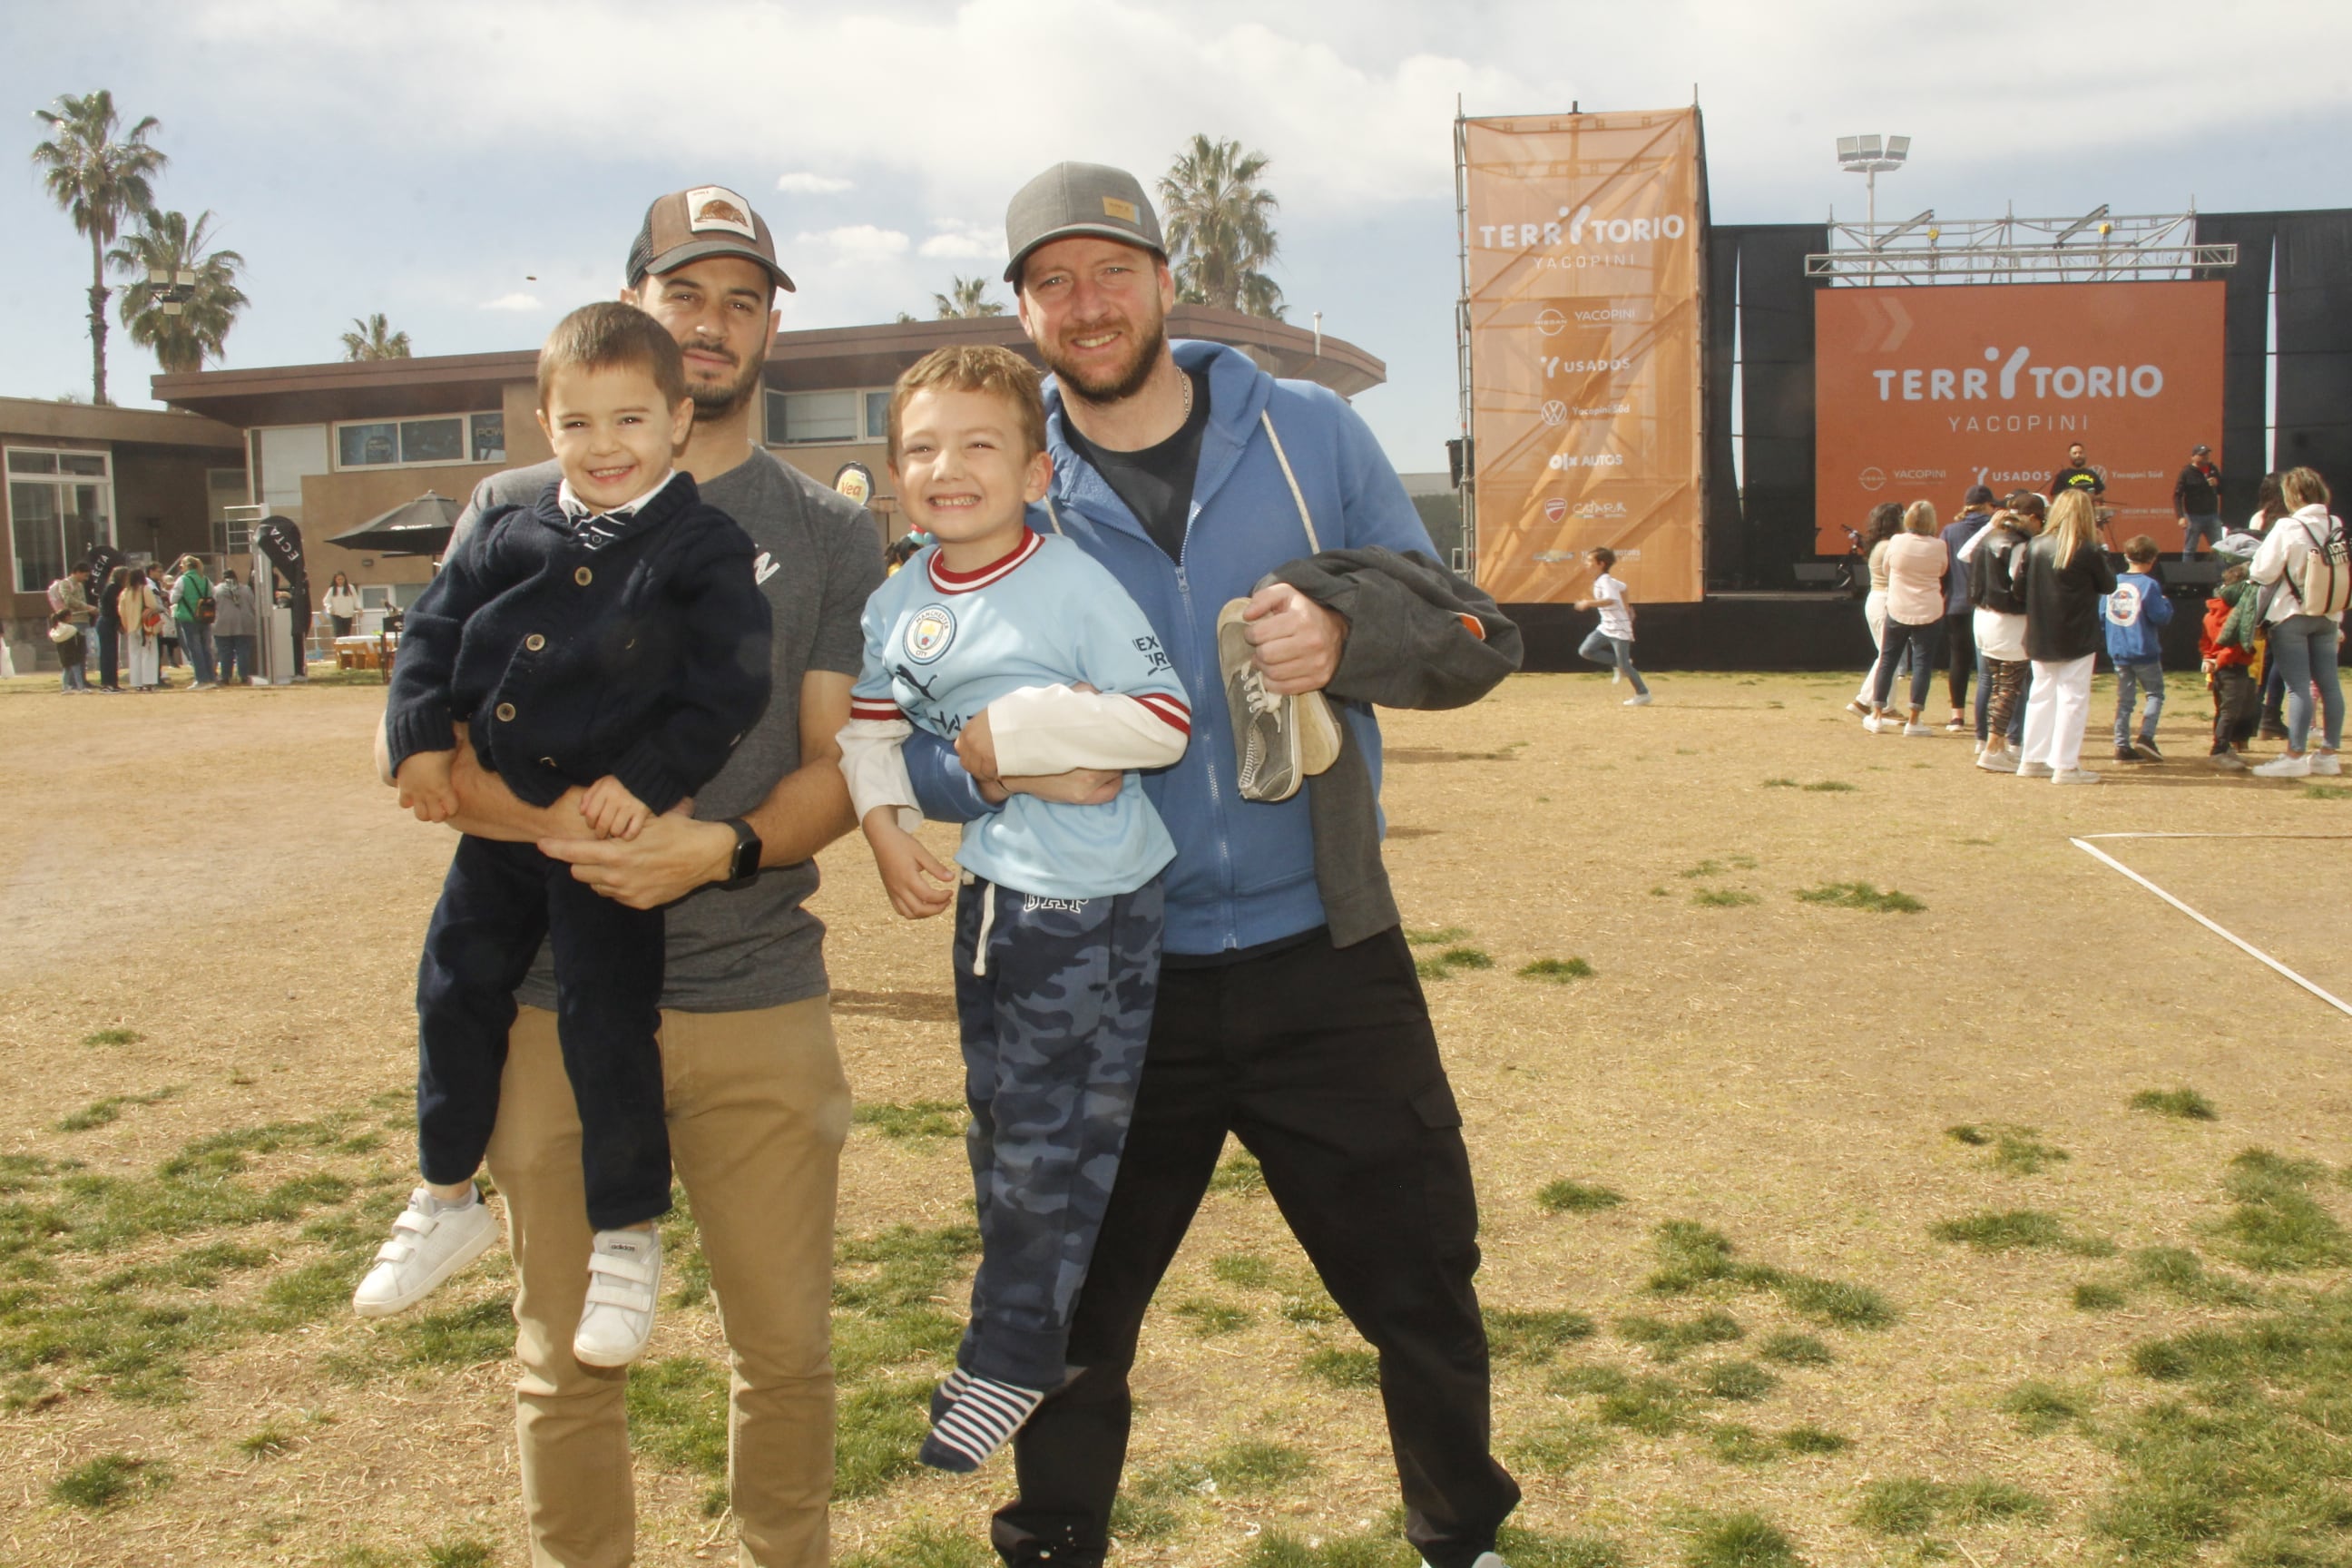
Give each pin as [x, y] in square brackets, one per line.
[941, 645]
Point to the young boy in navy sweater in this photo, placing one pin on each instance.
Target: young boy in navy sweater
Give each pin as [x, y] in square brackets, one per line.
[610, 637]
[1058, 925]
[2134, 615]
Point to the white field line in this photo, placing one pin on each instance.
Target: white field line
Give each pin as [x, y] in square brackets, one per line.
[2231, 937]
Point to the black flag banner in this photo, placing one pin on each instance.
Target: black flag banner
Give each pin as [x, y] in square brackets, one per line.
[281, 542]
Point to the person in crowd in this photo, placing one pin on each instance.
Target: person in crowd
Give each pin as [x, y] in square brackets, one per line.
[2305, 611]
[752, 1088]
[614, 623]
[2026, 510]
[343, 604]
[2135, 614]
[1287, 1013]
[1993, 558]
[1886, 522]
[2197, 499]
[1056, 939]
[2270, 505]
[234, 629]
[2066, 574]
[1917, 561]
[140, 611]
[2228, 645]
[69, 605]
[167, 630]
[110, 630]
[1960, 633]
[1611, 642]
[71, 645]
[193, 609]
[2078, 475]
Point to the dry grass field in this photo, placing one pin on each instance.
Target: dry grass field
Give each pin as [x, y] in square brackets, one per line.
[2000, 1221]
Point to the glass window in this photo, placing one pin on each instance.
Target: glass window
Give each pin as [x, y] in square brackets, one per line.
[364, 445]
[32, 526]
[820, 416]
[433, 441]
[287, 454]
[490, 437]
[82, 463]
[877, 416]
[32, 463]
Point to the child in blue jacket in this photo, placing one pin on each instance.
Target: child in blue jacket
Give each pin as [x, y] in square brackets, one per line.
[2134, 615]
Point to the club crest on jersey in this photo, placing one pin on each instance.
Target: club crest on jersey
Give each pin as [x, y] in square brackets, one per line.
[929, 634]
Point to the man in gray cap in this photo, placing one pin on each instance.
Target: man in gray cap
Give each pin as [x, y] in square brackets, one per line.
[757, 1105]
[1288, 1012]
[2197, 499]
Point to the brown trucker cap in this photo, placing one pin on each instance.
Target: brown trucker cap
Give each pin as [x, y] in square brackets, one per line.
[709, 220]
[1079, 198]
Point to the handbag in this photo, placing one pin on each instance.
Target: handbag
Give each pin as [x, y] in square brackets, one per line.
[63, 633]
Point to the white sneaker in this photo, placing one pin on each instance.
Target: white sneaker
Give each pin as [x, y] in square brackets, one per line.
[430, 1241]
[623, 1278]
[1917, 730]
[2228, 762]
[2325, 764]
[1872, 722]
[2001, 762]
[2074, 775]
[2033, 770]
[2285, 767]
[1641, 701]
[1615, 675]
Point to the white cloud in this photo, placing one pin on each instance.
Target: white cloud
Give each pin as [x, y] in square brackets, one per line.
[518, 302]
[804, 184]
[861, 242]
[964, 242]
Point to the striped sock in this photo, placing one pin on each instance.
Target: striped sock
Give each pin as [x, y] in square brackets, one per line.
[979, 1421]
[948, 1393]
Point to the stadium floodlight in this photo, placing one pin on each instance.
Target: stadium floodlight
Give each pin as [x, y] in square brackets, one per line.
[1871, 156]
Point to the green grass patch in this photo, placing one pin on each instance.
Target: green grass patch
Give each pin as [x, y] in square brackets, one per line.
[2184, 1103]
[1211, 1319]
[1735, 1443]
[1861, 896]
[677, 1414]
[2277, 1226]
[2017, 1150]
[472, 1335]
[1134, 1518]
[1694, 1255]
[1577, 1380]
[1437, 937]
[1723, 898]
[1807, 1439]
[1238, 1173]
[1534, 1336]
[1795, 1350]
[465, 1552]
[1565, 1197]
[1244, 1270]
[1560, 971]
[2041, 1408]
[1280, 1549]
[109, 1481]
[103, 1112]
[1251, 1467]
[1830, 787]
[901, 1267]
[1669, 1340]
[1781, 783]
[1654, 1406]
[2181, 1274]
[1704, 869]
[1914, 1506]
[1739, 1541]
[1308, 1305]
[2012, 1230]
[1445, 964]
[921, 1119]
[2096, 1296]
[270, 1442]
[1343, 1368]
[112, 1037]
[1556, 1447]
[877, 1431]
[928, 1546]
[1534, 1549]
[1737, 1380]
[2326, 792]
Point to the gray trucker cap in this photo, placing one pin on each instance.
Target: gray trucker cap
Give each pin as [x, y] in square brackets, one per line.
[1079, 198]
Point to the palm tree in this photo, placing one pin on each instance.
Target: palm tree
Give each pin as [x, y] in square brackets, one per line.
[1220, 228]
[966, 300]
[98, 179]
[375, 340]
[167, 243]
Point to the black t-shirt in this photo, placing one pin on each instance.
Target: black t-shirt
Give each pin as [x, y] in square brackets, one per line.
[1156, 482]
[2071, 477]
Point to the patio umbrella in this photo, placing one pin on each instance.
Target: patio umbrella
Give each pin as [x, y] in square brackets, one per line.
[419, 527]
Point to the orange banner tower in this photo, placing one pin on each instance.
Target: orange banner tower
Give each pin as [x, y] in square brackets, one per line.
[1584, 257]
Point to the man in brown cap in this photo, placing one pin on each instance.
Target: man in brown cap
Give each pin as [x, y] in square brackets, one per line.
[756, 1102]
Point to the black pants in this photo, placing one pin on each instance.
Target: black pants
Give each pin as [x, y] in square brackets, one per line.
[1959, 656]
[1921, 640]
[2234, 702]
[109, 657]
[1323, 1062]
[498, 904]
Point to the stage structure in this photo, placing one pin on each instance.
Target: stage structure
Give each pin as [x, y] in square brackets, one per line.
[2093, 248]
[1579, 339]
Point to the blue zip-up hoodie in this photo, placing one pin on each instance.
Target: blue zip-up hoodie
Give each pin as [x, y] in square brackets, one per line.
[2132, 615]
[1244, 871]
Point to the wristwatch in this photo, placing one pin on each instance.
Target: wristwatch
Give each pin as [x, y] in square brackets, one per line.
[744, 863]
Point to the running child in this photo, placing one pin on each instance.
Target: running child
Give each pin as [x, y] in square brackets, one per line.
[2135, 614]
[609, 636]
[1032, 657]
[1611, 642]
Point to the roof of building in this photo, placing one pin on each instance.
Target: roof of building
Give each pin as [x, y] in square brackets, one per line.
[40, 419]
[824, 357]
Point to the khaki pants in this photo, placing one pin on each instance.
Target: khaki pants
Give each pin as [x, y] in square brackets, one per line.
[758, 1110]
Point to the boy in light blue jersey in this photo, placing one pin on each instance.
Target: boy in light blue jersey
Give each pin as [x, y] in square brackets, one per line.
[1058, 918]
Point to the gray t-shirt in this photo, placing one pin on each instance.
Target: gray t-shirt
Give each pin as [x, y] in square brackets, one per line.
[731, 951]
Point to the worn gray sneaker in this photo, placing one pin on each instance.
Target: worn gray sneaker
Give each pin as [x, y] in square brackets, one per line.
[1266, 736]
[430, 1241]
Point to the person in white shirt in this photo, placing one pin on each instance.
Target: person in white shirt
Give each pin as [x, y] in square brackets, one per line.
[2304, 643]
[1611, 642]
[343, 606]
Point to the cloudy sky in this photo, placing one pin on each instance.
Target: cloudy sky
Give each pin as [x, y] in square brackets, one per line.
[428, 160]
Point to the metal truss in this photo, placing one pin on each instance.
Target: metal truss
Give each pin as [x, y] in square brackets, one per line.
[2093, 248]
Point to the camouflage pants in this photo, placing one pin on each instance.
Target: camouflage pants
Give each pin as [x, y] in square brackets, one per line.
[1053, 998]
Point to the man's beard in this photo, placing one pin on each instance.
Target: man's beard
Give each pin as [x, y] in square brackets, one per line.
[1121, 385]
[717, 402]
